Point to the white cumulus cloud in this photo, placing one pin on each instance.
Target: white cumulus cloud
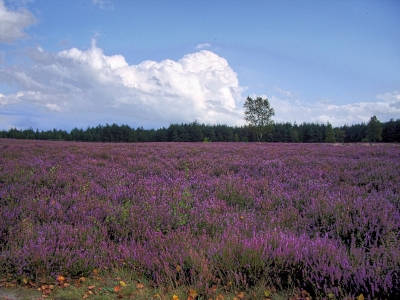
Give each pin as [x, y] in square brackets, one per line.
[393, 98]
[290, 109]
[200, 86]
[13, 23]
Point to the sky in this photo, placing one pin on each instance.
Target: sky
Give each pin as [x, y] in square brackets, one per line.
[80, 63]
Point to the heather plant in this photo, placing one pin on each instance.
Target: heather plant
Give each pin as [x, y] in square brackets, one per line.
[322, 218]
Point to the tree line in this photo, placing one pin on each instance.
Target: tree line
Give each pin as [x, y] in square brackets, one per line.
[373, 131]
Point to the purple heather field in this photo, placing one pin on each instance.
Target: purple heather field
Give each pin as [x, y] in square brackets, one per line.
[321, 217]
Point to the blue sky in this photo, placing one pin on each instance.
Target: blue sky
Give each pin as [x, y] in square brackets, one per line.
[66, 64]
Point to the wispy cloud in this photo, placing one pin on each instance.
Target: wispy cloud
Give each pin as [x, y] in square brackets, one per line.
[103, 4]
[201, 46]
[13, 23]
[283, 92]
[20, 2]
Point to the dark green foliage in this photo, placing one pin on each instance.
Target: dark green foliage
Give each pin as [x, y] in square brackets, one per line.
[196, 132]
[391, 131]
[374, 130]
[354, 133]
[196, 135]
[285, 132]
[311, 133]
[339, 135]
[329, 134]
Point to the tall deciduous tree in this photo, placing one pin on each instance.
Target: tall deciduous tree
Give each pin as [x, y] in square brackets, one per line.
[258, 113]
[374, 130]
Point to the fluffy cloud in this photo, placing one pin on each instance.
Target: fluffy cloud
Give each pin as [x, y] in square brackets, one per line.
[12, 23]
[200, 86]
[78, 87]
[392, 98]
[291, 109]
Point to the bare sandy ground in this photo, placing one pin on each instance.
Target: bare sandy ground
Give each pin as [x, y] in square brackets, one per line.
[19, 294]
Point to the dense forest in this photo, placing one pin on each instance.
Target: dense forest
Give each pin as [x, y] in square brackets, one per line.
[387, 132]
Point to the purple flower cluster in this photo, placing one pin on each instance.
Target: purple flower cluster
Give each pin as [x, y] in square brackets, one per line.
[321, 217]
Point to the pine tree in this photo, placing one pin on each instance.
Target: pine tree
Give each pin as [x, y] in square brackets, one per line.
[374, 130]
[339, 135]
[329, 134]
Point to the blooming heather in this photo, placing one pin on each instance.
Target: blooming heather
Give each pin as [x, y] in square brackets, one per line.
[320, 217]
